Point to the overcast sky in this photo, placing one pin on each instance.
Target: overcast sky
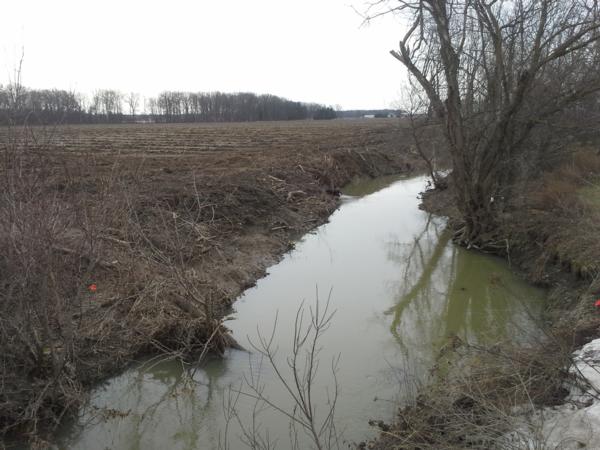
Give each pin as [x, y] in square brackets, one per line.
[308, 50]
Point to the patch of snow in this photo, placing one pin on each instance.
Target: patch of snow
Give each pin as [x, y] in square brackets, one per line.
[587, 367]
[573, 425]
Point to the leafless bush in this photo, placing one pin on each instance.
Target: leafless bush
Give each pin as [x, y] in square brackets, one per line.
[49, 252]
[87, 282]
[427, 135]
[298, 376]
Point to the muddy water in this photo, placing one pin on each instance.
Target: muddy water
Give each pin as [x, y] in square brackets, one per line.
[400, 290]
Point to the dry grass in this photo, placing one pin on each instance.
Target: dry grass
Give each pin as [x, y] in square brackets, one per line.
[474, 402]
[59, 333]
[559, 220]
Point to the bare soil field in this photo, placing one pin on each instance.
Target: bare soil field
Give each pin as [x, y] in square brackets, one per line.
[119, 241]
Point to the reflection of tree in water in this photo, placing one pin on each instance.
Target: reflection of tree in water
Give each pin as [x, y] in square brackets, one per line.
[163, 399]
[446, 291]
[477, 306]
[416, 256]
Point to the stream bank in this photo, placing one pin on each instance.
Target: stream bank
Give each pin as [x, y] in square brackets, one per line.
[143, 252]
[551, 230]
[400, 290]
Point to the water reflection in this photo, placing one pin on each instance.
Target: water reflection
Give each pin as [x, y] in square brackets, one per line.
[447, 292]
[400, 289]
[157, 404]
[360, 187]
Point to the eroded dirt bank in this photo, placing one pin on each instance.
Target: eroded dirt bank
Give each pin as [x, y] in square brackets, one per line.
[123, 241]
[496, 395]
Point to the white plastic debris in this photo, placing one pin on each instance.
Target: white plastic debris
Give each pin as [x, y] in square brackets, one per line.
[573, 425]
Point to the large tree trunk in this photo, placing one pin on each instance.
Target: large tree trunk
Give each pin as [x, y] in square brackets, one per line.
[476, 200]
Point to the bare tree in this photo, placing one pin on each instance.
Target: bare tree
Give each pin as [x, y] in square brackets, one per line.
[15, 88]
[427, 136]
[112, 102]
[133, 100]
[494, 73]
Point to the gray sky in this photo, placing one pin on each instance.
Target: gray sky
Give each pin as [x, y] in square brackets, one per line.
[308, 50]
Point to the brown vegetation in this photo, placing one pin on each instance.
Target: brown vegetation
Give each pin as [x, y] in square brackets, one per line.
[474, 405]
[561, 217]
[118, 241]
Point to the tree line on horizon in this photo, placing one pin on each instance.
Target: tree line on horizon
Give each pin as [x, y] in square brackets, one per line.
[51, 106]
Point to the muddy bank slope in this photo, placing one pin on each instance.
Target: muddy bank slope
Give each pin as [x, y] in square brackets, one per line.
[123, 241]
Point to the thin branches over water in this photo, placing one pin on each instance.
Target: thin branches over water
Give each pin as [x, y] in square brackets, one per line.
[298, 375]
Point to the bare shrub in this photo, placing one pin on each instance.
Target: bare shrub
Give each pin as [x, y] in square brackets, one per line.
[49, 253]
[298, 376]
[87, 284]
[189, 319]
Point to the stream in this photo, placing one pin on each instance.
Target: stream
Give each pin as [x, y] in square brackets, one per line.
[400, 291]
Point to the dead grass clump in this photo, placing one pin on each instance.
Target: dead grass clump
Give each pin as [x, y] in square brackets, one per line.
[586, 162]
[475, 405]
[558, 189]
[555, 193]
[559, 220]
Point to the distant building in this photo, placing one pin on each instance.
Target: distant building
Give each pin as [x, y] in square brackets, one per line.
[380, 115]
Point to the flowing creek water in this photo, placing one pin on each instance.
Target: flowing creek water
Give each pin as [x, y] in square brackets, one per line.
[400, 290]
